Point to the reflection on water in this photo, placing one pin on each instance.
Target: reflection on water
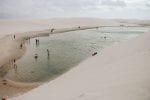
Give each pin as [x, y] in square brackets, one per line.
[58, 53]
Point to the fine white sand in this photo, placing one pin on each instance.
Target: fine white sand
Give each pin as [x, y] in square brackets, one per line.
[118, 72]
[10, 50]
[20, 26]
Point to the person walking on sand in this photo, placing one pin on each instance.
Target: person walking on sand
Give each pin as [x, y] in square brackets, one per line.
[21, 46]
[14, 36]
[14, 60]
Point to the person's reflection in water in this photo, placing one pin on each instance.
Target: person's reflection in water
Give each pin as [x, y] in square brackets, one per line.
[38, 42]
[29, 40]
[48, 57]
[15, 67]
[48, 54]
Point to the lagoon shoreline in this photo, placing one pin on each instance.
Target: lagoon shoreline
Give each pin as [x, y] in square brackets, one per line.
[121, 74]
[13, 51]
[17, 52]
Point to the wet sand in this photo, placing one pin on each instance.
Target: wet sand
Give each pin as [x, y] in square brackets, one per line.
[119, 72]
[10, 50]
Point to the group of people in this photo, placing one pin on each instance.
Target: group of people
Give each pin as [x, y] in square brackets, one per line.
[14, 65]
[37, 44]
[21, 44]
[104, 37]
[36, 55]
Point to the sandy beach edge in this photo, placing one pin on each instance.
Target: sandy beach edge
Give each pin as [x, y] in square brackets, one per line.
[126, 72]
[13, 45]
[13, 51]
[8, 43]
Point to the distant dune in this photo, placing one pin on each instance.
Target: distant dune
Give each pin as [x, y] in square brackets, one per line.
[19, 26]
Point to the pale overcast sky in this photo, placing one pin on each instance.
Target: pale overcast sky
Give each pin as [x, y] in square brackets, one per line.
[22, 9]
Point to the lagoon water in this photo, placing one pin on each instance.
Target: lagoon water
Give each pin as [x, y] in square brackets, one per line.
[66, 51]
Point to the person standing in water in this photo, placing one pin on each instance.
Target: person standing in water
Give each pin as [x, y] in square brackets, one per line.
[48, 53]
[105, 37]
[36, 57]
[52, 30]
[37, 42]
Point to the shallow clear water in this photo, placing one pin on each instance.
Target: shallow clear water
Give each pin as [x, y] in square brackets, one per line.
[66, 50]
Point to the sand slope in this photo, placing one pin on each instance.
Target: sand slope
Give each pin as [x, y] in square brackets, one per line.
[119, 72]
[10, 50]
[20, 26]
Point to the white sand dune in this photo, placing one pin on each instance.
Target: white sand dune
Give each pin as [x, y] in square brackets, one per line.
[120, 72]
[12, 46]
[20, 26]
[10, 50]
